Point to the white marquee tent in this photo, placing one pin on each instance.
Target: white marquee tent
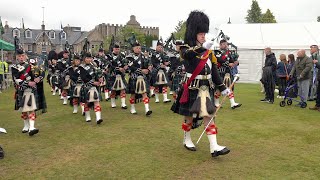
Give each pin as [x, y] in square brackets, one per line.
[251, 39]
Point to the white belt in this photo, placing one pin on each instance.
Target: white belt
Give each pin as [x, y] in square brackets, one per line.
[203, 77]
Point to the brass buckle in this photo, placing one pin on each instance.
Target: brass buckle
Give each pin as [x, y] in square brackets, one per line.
[204, 77]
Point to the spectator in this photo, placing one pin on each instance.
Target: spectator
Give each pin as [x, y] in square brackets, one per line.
[316, 63]
[282, 75]
[3, 69]
[313, 81]
[268, 75]
[302, 70]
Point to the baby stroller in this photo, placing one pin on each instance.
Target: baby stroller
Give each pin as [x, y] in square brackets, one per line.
[291, 94]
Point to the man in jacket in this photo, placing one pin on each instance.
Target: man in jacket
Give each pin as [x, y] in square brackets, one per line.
[302, 70]
[316, 64]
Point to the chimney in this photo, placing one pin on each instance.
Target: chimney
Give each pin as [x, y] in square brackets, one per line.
[6, 27]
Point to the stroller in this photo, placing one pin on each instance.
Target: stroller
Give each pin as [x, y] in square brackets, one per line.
[291, 94]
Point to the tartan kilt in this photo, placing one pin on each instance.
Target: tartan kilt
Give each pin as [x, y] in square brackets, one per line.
[131, 87]
[109, 84]
[39, 98]
[84, 94]
[184, 109]
[113, 79]
[176, 81]
[154, 78]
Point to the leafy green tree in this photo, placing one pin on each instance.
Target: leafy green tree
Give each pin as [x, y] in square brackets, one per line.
[268, 17]
[254, 14]
[180, 30]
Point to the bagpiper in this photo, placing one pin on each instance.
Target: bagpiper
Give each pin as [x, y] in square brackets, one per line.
[118, 67]
[76, 84]
[90, 95]
[104, 63]
[139, 68]
[226, 62]
[54, 74]
[29, 96]
[160, 62]
[195, 98]
[62, 64]
[177, 69]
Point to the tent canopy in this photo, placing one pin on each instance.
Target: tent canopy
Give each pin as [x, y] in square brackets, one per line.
[6, 46]
[274, 35]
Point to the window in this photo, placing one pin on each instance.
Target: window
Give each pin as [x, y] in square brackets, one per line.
[29, 48]
[28, 34]
[16, 32]
[52, 34]
[63, 35]
[44, 48]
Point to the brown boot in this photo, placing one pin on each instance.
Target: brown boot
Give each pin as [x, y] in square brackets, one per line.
[314, 108]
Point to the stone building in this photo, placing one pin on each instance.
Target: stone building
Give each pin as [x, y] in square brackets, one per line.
[96, 35]
[41, 41]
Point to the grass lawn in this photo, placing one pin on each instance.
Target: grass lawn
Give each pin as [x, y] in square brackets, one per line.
[266, 141]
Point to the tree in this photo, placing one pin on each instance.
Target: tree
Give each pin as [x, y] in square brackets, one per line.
[180, 30]
[318, 19]
[254, 14]
[268, 17]
[126, 33]
[149, 39]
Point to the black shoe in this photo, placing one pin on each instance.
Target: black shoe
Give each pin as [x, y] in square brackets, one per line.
[270, 102]
[124, 107]
[83, 114]
[264, 100]
[224, 151]
[148, 113]
[236, 106]
[99, 121]
[169, 100]
[33, 132]
[25, 131]
[107, 99]
[88, 121]
[190, 148]
[1, 153]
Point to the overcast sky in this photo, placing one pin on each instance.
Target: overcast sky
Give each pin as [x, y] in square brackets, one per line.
[164, 14]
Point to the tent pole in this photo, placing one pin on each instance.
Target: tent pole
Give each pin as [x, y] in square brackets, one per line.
[3, 69]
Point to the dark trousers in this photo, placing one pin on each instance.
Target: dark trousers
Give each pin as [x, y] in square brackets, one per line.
[269, 90]
[318, 95]
[282, 84]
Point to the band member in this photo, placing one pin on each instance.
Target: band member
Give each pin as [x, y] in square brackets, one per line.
[139, 67]
[54, 75]
[92, 79]
[76, 84]
[52, 54]
[118, 67]
[196, 97]
[28, 80]
[62, 65]
[104, 65]
[177, 69]
[226, 62]
[160, 62]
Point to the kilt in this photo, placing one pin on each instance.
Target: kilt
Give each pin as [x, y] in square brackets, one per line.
[131, 87]
[113, 79]
[176, 82]
[155, 75]
[184, 109]
[109, 84]
[38, 100]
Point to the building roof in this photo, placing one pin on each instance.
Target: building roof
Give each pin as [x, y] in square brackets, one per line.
[274, 35]
[71, 36]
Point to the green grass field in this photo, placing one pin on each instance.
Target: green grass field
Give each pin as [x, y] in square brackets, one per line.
[266, 141]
